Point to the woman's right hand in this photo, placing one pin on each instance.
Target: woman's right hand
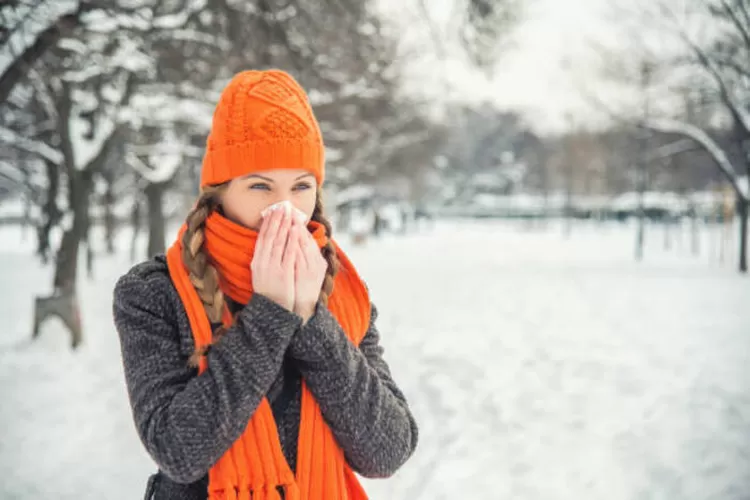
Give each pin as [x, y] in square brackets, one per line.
[273, 262]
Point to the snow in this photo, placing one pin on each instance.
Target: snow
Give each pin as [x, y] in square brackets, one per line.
[11, 208]
[178, 19]
[669, 202]
[333, 154]
[129, 56]
[8, 172]
[744, 184]
[73, 45]
[517, 204]
[537, 367]
[318, 98]
[99, 21]
[160, 108]
[84, 74]
[355, 192]
[191, 35]
[163, 166]
[9, 136]
[85, 149]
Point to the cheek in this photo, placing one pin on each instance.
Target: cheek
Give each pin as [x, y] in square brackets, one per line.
[245, 210]
[306, 202]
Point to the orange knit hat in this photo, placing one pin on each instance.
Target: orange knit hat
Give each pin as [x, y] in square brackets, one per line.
[263, 121]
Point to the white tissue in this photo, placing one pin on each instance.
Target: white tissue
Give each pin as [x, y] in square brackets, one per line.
[287, 206]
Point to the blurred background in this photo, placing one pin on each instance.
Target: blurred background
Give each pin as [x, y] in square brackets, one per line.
[548, 201]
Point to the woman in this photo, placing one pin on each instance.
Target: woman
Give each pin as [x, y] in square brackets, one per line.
[250, 350]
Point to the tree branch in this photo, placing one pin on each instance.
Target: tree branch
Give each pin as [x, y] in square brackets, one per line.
[733, 65]
[672, 149]
[738, 113]
[706, 142]
[8, 136]
[46, 39]
[741, 27]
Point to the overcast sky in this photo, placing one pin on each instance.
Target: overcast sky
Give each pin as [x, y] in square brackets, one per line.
[533, 75]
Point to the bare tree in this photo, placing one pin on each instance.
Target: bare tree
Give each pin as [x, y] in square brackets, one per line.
[704, 47]
[84, 86]
[94, 85]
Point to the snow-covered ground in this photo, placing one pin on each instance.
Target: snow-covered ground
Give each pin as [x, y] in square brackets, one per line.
[538, 368]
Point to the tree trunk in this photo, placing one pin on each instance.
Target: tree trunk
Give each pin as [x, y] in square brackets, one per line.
[51, 213]
[641, 228]
[64, 299]
[135, 222]
[743, 212]
[109, 218]
[27, 204]
[89, 247]
[568, 211]
[67, 258]
[695, 234]
[642, 168]
[44, 41]
[156, 222]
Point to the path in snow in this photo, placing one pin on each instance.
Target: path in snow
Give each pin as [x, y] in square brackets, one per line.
[538, 368]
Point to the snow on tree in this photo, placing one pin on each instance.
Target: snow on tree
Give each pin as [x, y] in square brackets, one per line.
[699, 53]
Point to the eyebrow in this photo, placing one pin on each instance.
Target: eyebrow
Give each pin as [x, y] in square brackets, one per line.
[271, 180]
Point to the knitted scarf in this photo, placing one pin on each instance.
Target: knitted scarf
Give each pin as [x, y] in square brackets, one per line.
[254, 466]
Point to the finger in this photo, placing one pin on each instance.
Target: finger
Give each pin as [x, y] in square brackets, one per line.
[261, 248]
[292, 248]
[282, 235]
[259, 255]
[304, 254]
[310, 246]
[271, 224]
[262, 233]
[316, 258]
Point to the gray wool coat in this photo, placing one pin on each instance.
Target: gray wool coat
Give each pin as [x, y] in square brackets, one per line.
[187, 421]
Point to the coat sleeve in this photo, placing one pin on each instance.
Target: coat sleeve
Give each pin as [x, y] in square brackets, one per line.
[366, 411]
[187, 421]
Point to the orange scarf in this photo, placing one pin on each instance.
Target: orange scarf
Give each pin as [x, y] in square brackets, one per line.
[255, 465]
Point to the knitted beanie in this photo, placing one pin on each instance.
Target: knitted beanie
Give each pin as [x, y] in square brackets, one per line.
[263, 121]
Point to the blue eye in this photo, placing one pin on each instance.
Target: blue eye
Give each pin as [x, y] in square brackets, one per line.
[260, 186]
[302, 186]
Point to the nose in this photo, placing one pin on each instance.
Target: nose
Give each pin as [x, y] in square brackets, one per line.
[282, 197]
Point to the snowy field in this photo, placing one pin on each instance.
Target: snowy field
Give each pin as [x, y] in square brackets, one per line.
[538, 368]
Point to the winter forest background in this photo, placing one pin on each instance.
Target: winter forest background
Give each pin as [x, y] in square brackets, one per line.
[548, 200]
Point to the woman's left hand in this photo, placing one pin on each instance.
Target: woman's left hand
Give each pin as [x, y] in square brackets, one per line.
[310, 271]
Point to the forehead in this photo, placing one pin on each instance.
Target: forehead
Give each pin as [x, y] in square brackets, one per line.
[279, 174]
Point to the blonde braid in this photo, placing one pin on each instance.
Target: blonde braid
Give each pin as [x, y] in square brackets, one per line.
[202, 273]
[328, 250]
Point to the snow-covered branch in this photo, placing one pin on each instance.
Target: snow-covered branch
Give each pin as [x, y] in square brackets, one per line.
[171, 148]
[191, 35]
[164, 109]
[738, 110]
[167, 165]
[39, 148]
[179, 19]
[33, 24]
[717, 153]
[671, 149]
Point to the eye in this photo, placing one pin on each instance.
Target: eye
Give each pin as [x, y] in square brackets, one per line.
[260, 185]
[302, 186]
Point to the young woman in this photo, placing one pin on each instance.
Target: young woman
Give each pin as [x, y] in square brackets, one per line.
[250, 350]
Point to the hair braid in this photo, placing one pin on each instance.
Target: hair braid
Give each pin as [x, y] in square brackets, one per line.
[328, 250]
[202, 273]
